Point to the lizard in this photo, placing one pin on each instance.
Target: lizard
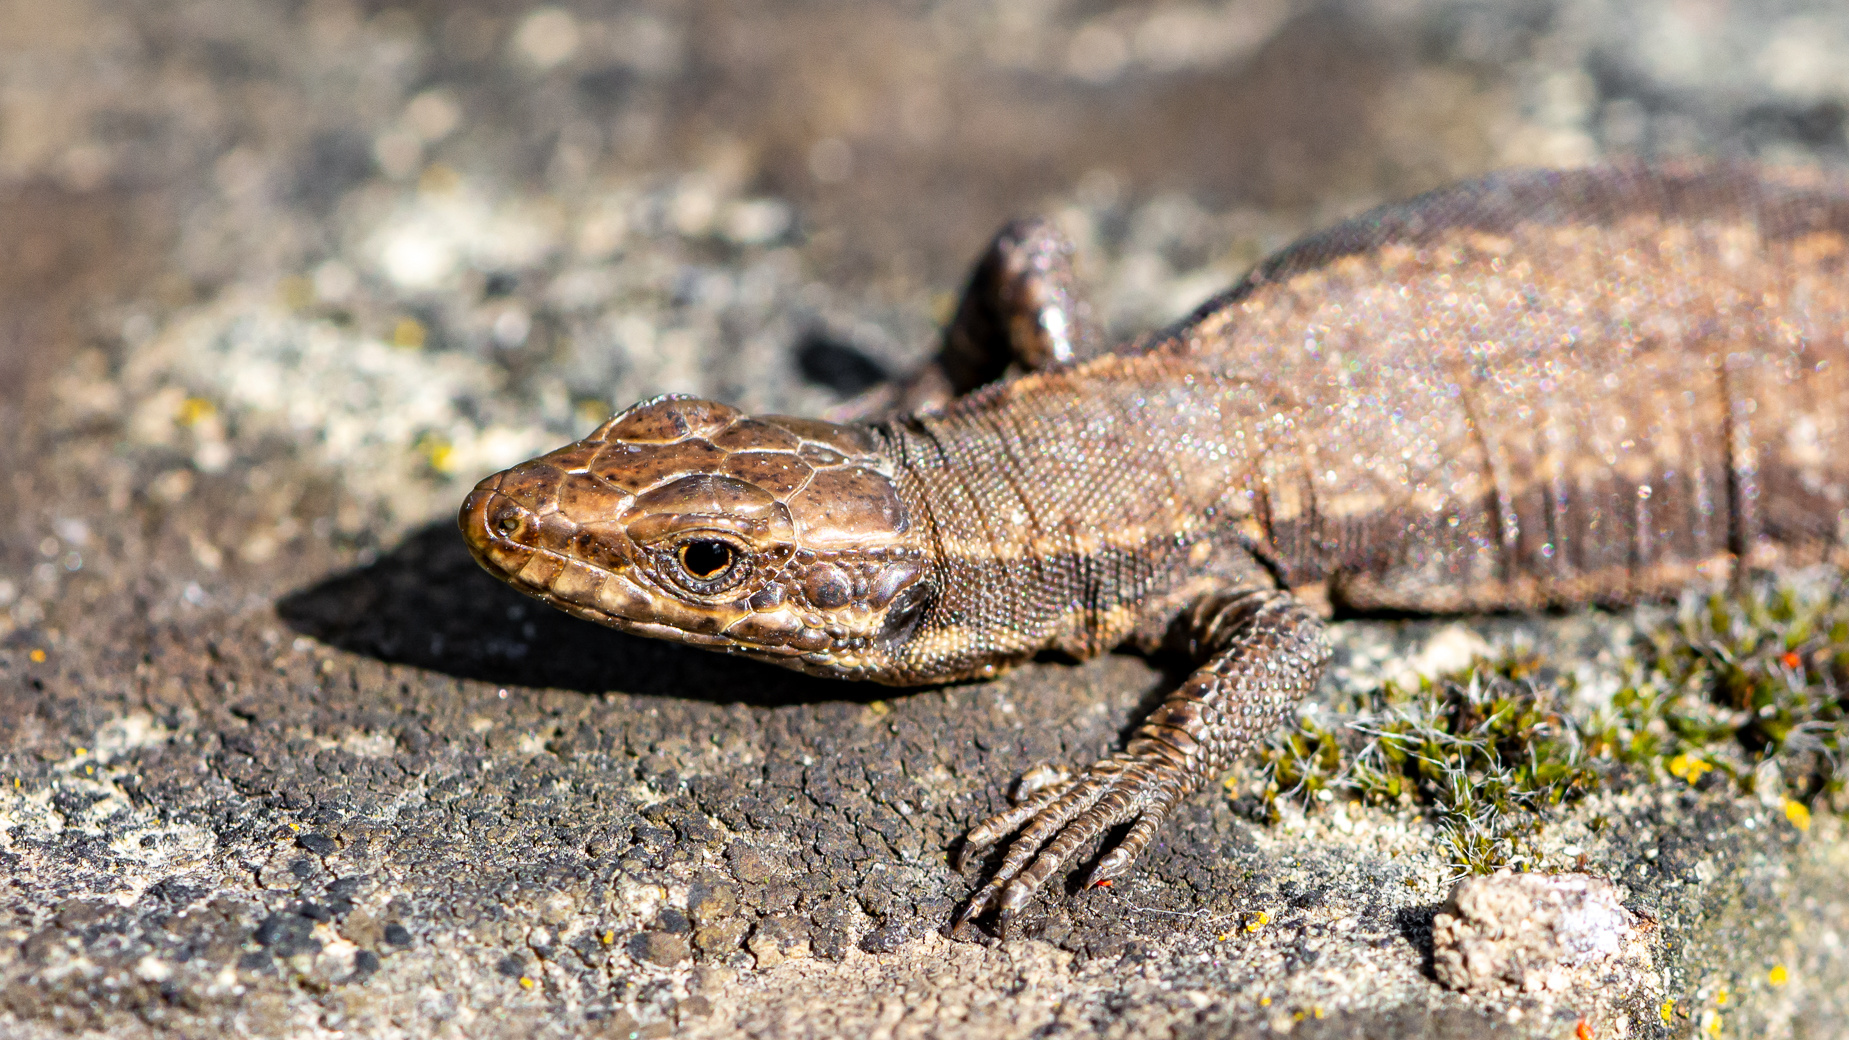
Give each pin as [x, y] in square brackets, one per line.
[1534, 390]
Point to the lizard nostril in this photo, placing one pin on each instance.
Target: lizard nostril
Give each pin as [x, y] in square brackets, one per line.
[508, 521]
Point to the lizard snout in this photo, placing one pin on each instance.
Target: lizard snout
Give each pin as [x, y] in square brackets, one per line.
[493, 524]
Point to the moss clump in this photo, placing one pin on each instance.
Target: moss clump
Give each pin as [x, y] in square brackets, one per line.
[1739, 690]
[1735, 684]
[1489, 751]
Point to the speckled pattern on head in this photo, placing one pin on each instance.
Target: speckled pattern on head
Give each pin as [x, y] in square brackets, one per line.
[1536, 389]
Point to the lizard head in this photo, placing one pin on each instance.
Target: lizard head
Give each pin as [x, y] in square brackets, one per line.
[783, 539]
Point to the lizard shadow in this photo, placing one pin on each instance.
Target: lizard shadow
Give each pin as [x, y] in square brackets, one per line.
[425, 603]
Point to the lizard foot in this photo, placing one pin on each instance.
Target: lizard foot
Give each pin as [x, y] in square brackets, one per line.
[1262, 651]
[1059, 819]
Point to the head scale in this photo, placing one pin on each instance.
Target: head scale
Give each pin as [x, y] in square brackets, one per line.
[784, 539]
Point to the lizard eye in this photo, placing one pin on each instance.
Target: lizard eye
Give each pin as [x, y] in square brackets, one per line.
[706, 560]
[705, 565]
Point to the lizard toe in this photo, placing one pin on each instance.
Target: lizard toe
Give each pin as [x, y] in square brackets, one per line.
[1043, 816]
[1057, 852]
[1121, 788]
[981, 903]
[1117, 862]
[1002, 824]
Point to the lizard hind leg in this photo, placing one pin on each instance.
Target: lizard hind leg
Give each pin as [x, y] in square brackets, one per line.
[1023, 310]
[1261, 650]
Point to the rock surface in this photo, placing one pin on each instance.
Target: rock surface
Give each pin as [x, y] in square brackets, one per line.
[284, 279]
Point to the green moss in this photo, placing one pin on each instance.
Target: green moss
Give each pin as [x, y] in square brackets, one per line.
[1488, 751]
[1724, 687]
[1732, 684]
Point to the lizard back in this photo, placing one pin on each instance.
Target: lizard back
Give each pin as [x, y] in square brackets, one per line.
[1538, 389]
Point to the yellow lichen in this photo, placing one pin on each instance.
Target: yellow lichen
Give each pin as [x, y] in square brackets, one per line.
[1798, 814]
[409, 334]
[195, 410]
[438, 451]
[1688, 767]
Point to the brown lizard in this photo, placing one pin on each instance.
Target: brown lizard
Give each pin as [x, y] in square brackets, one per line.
[1531, 390]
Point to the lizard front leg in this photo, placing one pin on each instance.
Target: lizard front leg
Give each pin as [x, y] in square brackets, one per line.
[1260, 652]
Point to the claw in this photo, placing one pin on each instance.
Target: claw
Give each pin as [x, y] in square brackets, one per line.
[979, 904]
[1004, 923]
[1058, 823]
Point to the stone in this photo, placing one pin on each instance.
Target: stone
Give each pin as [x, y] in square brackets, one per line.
[1535, 933]
[721, 937]
[776, 939]
[660, 948]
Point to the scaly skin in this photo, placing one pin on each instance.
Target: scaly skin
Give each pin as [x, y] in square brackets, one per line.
[1539, 389]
